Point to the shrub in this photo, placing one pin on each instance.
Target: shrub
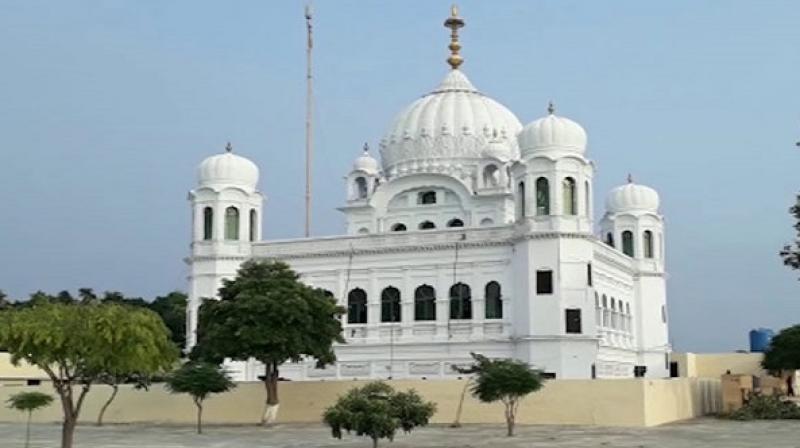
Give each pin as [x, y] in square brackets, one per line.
[766, 407]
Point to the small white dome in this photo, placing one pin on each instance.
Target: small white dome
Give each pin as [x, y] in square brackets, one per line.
[552, 132]
[366, 163]
[632, 197]
[228, 169]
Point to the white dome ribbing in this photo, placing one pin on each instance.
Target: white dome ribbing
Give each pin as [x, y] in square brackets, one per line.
[228, 169]
[632, 197]
[453, 123]
[552, 132]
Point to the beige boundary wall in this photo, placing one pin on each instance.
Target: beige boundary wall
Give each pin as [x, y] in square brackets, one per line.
[714, 365]
[625, 402]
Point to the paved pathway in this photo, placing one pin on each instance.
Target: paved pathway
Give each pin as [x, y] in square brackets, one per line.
[709, 433]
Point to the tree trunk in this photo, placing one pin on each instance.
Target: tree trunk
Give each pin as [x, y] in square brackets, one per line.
[510, 419]
[457, 422]
[115, 388]
[199, 404]
[374, 442]
[271, 385]
[28, 430]
[68, 431]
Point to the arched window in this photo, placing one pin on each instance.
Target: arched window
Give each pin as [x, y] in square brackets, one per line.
[455, 222]
[610, 239]
[361, 188]
[426, 197]
[542, 196]
[521, 198]
[647, 241]
[627, 243]
[570, 198]
[425, 303]
[208, 223]
[494, 301]
[253, 224]
[426, 225]
[390, 305]
[357, 307]
[485, 222]
[605, 311]
[588, 198]
[491, 176]
[231, 223]
[399, 227]
[460, 302]
[363, 231]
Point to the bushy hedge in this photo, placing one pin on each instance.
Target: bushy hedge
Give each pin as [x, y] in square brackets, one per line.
[767, 407]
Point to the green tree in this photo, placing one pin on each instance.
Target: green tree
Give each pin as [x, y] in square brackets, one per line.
[791, 252]
[199, 380]
[28, 402]
[4, 302]
[172, 308]
[783, 352]
[377, 411]
[504, 380]
[77, 344]
[266, 313]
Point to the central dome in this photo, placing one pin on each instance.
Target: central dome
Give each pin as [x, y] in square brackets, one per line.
[451, 126]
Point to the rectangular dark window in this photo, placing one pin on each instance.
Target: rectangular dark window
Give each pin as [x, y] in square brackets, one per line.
[573, 320]
[589, 274]
[544, 282]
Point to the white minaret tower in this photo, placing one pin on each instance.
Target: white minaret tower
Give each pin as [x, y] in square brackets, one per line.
[552, 186]
[634, 226]
[361, 183]
[554, 177]
[226, 221]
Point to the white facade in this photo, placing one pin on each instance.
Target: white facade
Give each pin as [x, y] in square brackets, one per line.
[474, 234]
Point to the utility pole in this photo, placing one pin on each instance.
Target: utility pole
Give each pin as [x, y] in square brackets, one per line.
[309, 115]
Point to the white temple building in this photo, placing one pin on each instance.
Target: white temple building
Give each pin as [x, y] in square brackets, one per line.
[473, 233]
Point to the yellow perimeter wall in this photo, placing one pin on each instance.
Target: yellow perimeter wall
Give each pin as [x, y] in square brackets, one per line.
[714, 365]
[626, 402]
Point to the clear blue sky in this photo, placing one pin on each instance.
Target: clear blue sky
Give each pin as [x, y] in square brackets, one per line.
[106, 108]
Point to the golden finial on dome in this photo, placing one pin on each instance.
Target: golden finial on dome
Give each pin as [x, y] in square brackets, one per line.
[366, 147]
[454, 22]
[551, 109]
[630, 178]
[228, 147]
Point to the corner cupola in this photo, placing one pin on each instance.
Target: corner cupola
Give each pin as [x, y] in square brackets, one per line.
[552, 132]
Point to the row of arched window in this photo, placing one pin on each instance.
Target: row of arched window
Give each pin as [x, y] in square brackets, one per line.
[613, 313]
[425, 303]
[426, 225]
[569, 191]
[628, 246]
[231, 224]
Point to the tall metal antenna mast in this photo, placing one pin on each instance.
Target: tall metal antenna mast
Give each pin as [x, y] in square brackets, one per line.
[309, 115]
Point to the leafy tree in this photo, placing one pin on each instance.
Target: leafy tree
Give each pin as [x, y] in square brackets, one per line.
[199, 380]
[377, 411]
[77, 344]
[791, 252]
[28, 402]
[172, 308]
[4, 302]
[505, 380]
[87, 295]
[783, 352]
[266, 313]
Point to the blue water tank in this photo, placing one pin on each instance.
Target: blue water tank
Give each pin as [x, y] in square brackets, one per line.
[760, 339]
